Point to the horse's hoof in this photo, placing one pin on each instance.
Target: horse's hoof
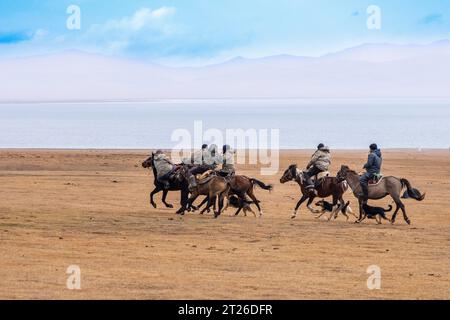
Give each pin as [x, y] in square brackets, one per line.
[153, 205]
[169, 206]
[293, 216]
[408, 222]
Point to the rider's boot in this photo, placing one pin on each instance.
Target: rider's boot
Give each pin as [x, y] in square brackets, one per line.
[309, 185]
[364, 192]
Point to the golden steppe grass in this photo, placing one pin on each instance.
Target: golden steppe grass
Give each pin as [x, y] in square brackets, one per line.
[90, 208]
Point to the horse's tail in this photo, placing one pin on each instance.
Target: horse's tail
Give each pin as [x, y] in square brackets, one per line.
[261, 184]
[412, 193]
[388, 209]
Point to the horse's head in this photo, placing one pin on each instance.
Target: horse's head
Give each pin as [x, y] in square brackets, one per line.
[342, 173]
[149, 162]
[289, 174]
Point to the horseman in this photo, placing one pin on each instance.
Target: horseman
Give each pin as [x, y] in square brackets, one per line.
[164, 168]
[199, 157]
[203, 161]
[320, 162]
[373, 168]
[227, 162]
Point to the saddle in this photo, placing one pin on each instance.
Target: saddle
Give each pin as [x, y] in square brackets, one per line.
[321, 175]
[376, 179]
[205, 177]
[319, 178]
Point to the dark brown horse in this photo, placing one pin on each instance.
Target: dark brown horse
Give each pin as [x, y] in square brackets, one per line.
[213, 187]
[242, 186]
[391, 186]
[330, 186]
[175, 185]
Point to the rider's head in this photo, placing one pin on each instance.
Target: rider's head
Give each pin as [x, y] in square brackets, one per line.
[373, 147]
[204, 146]
[212, 150]
[320, 146]
[225, 148]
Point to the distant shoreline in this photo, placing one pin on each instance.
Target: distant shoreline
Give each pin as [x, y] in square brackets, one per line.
[178, 100]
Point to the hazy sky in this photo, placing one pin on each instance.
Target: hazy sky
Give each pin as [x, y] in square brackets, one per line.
[203, 31]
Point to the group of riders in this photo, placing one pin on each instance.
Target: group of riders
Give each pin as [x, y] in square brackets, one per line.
[321, 161]
[208, 159]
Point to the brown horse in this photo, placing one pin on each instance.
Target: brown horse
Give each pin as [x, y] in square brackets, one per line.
[391, 186]
[330, 186]
[214, 188]
[242, 186]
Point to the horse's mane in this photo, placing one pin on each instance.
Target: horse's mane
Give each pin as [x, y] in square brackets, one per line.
[348, 170]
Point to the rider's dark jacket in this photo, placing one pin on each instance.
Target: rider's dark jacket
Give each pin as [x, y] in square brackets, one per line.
[374, 161]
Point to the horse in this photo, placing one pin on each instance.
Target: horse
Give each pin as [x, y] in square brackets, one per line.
[175, 185]
[242, 186]
[391, 186]
[330, 186]
[212, 187]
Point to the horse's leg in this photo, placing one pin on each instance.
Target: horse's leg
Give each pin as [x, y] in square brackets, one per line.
[155, 191]
[299, 203]
[165, 192]
[308, 204]
[360, 203]
[201, 204]
[394, 215]
[191, 200]
[253, 197]
[183, 201]
[400, 205]
[241, 198]
[208, 205]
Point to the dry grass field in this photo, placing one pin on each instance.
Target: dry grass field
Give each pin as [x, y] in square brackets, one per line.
[91, 208]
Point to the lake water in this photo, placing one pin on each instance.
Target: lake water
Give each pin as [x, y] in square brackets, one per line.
[341, 124]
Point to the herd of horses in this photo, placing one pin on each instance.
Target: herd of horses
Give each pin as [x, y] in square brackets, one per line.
[239, 188]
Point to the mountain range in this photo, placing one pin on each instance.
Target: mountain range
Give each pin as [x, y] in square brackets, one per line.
[365, 71]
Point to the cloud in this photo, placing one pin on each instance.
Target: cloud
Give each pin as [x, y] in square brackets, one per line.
[14, 37]
[145, 28]
[142, 18]
[432, 18]
[21, 36]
